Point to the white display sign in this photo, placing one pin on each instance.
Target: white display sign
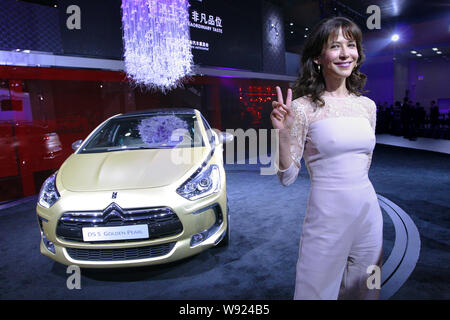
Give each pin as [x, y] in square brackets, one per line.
[206, 22]
[115, 233]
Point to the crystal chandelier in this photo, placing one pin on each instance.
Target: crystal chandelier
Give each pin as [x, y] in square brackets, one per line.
[157, 48]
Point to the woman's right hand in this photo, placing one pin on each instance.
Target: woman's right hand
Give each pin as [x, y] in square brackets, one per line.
[282, 116]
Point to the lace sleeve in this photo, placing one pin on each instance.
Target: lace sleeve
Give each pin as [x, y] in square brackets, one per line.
[298, 138]
[372, 110]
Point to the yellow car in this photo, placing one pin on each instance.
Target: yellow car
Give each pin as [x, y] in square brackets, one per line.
[143, 188]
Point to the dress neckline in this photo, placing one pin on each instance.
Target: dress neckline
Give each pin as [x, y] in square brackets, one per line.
[351, 95]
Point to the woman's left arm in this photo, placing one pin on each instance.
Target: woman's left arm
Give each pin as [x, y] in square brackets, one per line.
[372, 111]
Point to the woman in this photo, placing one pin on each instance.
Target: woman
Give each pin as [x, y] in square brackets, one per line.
[332, 126]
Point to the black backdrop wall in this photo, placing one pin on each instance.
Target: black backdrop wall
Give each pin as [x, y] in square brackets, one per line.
[246, 35]
[100, 33]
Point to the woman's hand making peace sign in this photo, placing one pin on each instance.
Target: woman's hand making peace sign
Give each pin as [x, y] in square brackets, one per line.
[282, 116]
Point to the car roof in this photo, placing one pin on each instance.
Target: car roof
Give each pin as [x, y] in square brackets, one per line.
[188, 111]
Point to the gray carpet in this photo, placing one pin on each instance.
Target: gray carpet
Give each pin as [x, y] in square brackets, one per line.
[260, 261]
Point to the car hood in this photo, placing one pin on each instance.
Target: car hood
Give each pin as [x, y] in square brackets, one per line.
[132, 169]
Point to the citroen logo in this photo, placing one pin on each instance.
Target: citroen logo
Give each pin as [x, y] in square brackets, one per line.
[113, 212]
[113, 215]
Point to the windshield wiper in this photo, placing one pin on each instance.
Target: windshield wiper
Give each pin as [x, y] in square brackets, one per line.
[126, 148]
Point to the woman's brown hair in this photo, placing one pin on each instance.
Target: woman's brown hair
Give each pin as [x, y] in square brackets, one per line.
[311, 82]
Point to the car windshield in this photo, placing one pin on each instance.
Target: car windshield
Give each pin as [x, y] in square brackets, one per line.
[158, 131]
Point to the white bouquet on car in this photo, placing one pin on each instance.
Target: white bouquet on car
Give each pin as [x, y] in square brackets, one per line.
[162, 130]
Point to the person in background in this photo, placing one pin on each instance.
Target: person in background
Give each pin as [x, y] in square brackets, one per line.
[434, 119]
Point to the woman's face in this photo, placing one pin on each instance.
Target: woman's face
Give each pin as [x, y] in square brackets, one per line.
[339, 57]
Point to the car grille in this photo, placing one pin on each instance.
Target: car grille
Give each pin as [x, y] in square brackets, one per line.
[120, 254]
[162, 222]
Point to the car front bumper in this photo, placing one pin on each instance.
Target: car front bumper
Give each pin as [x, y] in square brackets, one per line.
[204, 219]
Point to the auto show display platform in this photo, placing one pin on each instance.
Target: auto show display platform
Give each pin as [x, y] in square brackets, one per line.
[266, 218]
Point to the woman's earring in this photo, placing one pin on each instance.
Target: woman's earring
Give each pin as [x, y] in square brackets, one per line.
[318, 66]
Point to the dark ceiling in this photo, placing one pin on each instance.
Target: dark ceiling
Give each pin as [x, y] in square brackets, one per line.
[50, 3]
[301, 15]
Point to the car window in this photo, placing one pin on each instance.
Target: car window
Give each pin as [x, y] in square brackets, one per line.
[159, 131]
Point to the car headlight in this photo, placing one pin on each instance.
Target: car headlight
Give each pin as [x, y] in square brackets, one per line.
[49, 194]
[201, 184]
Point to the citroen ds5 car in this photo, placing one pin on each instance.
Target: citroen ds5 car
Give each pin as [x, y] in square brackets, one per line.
[143, 188]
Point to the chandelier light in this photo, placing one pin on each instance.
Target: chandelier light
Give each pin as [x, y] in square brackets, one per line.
[156, 38]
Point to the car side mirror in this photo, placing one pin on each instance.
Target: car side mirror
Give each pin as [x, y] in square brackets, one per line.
[76, 144]
[225, 137]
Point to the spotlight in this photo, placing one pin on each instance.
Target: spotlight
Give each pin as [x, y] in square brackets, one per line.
[419, 55]
[413, 51]
[439, 52]
[435, 49]
[291, 24]
[395, 37]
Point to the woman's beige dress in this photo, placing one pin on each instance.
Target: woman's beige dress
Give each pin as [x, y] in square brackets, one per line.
[342, 235]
